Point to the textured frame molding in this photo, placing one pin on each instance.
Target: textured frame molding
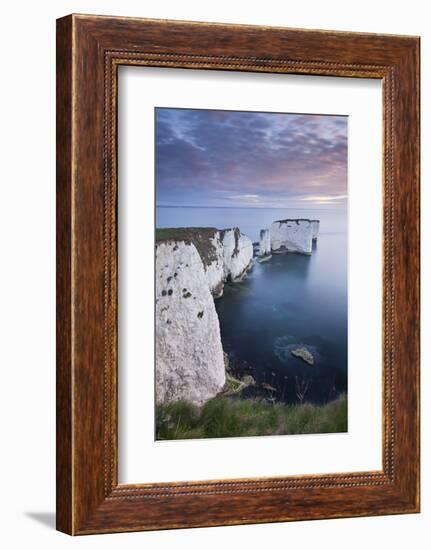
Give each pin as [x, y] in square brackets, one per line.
[89, 51]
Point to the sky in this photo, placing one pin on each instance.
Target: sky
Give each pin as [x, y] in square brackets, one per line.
[250, 159]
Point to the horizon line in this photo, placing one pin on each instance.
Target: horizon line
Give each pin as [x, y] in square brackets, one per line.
[246, 207]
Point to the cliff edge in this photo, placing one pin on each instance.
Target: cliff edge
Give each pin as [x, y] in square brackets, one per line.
[189, 354]
[192, 266]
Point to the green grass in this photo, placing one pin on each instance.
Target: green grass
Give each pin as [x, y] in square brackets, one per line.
[182, 233]
[226, 417]
[201, 237]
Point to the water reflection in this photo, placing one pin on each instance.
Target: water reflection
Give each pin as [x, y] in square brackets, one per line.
[292, 301]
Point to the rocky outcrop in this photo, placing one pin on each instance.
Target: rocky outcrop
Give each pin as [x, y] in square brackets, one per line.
[214, 266]
[291, 235]
[264, 244]
[189, 354]
[235, 386]
[315, 228]
[226, 254]
[304, 354]
[237, 254]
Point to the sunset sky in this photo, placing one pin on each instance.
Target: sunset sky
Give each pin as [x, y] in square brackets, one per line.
[248, 159]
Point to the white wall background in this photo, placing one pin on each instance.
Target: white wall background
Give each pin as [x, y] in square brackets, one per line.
[27, 280]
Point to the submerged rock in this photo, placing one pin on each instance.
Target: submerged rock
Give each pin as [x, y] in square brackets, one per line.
[190, 364]
[268, 387]
[248, 380]
[303, 354]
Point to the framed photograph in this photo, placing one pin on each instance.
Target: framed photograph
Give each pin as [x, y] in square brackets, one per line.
[237, 274]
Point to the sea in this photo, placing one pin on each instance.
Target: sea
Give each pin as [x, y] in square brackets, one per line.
[288, 302]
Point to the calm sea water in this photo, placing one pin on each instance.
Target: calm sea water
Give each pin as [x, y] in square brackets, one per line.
[288, 302]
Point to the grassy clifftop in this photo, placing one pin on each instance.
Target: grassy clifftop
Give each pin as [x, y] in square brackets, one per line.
[201, 237]
[227, 417]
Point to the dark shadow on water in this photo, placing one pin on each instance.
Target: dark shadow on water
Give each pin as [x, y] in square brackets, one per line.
[283, 305]
[46, 519]
[298, 265]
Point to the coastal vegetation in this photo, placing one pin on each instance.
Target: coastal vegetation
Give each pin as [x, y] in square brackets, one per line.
[236, 417]
[201, 237]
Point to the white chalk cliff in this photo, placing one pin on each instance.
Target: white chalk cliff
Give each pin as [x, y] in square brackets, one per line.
[237, 254]
[189, 353]
[291, 236]
[315, 228]
[226, 254]
[265, 243]
[214, 265]
[192, 266]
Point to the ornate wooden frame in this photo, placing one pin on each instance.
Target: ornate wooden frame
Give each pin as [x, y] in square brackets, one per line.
[89, 51]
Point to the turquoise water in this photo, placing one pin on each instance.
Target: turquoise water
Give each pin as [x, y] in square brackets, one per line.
[288, 302]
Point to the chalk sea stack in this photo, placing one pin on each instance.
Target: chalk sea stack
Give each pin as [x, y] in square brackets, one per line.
[292, 235]
[264, 245]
